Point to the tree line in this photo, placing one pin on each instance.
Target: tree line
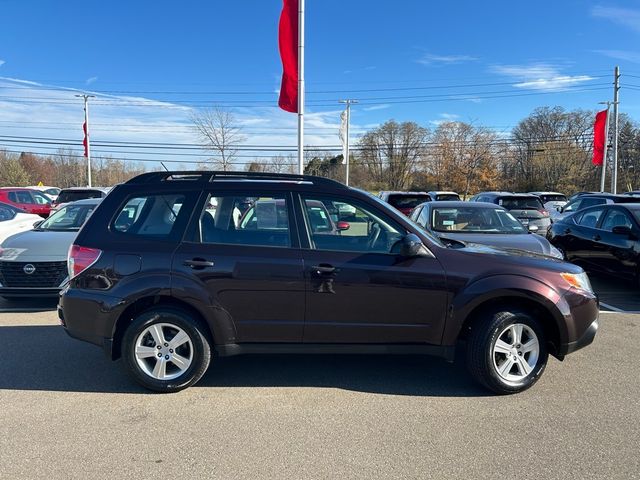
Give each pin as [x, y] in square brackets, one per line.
[550, 149]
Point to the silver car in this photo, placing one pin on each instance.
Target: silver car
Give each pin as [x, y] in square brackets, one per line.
[482, 223]
[34, 263]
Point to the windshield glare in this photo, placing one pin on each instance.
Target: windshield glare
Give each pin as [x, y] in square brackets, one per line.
[474, 220]
[70, 218]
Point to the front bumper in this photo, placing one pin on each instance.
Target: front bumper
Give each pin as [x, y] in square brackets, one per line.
[25, 292]
[580, 310]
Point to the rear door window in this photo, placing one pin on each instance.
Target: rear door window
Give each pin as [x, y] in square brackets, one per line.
[260, 220]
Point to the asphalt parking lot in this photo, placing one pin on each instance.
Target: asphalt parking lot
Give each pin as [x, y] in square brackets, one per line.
[67, 412]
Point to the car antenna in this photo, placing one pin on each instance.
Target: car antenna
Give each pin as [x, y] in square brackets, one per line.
[165, 167]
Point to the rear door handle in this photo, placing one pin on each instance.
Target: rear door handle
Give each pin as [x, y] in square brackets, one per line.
[198, 263]
[323, 268]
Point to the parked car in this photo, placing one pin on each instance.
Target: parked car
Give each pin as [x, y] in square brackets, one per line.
[633, 193]
[51, 192]
[552, 201]
[13, 220]
[34, 263]
[167, 290]
[31, 201]
[590, 200]
[602, 238]
[527, 208]
[438, 196]
[68, 195]
[478, 222]
[404, 201]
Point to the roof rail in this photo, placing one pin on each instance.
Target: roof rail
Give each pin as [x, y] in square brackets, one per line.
[200, 176]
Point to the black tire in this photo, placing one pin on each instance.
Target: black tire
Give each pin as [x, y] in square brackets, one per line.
[482, 362]
[200, 349]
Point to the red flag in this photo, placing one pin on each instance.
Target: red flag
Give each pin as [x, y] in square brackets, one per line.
[599, 139]
[288, 40]
[84, 142]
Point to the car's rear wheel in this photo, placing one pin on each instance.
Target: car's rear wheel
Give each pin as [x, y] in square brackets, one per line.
[507, 351]
[166, 350]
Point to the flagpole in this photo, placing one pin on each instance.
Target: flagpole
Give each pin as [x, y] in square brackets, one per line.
[301, 87]
[87, 137]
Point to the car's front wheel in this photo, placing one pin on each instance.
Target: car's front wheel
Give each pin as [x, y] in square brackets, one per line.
[506, 351]
[166, 350]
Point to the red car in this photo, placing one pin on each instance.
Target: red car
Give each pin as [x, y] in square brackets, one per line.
[31, 201]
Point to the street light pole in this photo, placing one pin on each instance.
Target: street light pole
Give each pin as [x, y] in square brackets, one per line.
[348, 102]
[614, 165]
[86, 134]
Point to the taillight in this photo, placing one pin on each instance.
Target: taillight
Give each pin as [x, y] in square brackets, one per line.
[81, 258]
[544, 212]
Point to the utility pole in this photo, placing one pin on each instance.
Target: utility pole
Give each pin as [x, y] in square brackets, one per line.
[614, 166]
[348, 102]
[87, 147]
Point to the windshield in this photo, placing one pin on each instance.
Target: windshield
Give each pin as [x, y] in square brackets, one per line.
[407, 201]
[69, 196]
[520, 202]
[444, 197]
[475, 220]
[69, 218]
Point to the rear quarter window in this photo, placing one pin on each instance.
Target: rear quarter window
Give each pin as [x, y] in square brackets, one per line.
[153, 216]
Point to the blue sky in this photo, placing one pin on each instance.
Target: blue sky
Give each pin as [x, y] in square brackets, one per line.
[153, 62]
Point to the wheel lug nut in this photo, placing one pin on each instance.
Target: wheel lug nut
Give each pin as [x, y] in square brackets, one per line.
[170, 350]
[159, 354]
[166, 344]
[159, 347]
[166, 357]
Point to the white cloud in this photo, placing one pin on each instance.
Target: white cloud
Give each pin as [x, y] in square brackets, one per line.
[372, 108]
[539, 76]
[633, 57]
[445, 118]
[2, 62]
[30, 109]
[622, 16]
[432, 59]
[91, 80]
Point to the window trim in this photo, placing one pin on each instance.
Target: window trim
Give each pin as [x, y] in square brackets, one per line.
[356, 202]
[623, 211]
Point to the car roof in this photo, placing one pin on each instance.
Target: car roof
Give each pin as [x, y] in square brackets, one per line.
[16, 188]
[547, 193]
[507, 194]
[460, 203]
[443, 192]
[83, 189]
[405, 192]
[86, 201]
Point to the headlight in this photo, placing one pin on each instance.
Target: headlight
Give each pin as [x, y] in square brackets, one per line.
[554, 252]
[578, 280]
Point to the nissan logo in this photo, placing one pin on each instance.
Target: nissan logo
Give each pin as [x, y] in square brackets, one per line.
[28, 269]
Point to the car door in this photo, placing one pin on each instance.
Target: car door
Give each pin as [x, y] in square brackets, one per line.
[358, 290]
[243, 252]
[585, 247]
[22, 200]
[619, 251]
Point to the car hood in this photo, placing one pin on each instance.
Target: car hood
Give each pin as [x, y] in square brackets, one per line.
[37, 246]
[524, 241]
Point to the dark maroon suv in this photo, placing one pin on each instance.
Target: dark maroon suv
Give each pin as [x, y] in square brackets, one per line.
[171, 269]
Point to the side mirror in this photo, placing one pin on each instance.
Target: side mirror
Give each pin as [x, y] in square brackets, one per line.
[533, 228]
[622, 230]
[411, 246]
[37, 224]
[342, 226]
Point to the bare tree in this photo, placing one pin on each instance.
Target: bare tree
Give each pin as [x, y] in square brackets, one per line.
[392, 151]
[219, 132]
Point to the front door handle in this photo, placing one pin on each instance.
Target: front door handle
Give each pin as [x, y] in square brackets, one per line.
[323, 268]
[198, 263]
